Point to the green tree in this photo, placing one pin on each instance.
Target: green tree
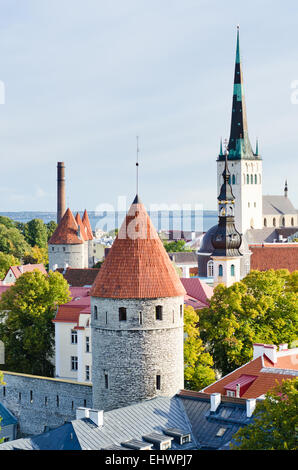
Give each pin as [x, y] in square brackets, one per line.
[175, 246]
[9, 223]
[275, 421]
[26, 313]
[12, 242]
[262, 308]
[51, 227]
[37, 233]
[198, 372]
[5, 262]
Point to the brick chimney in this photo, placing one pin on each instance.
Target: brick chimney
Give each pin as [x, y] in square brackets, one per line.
[270, 350]
[61, 203]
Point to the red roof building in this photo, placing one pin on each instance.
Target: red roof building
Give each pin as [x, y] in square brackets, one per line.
[137, 265]
[274, 256]
[14, 272]
[255, 378]
[87, 224]
[81, 227]
[67, 231]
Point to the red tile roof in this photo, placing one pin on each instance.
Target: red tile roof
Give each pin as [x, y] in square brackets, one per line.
[80, 303]
[66, 232]
[274, 256]
[87, 224]
[79, 277]
[137, 265]
[243, 380]
[83, 229]
[265, 380]
[197, 289]
[27, 268]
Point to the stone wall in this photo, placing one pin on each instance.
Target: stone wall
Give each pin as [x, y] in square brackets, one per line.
[72, 255]
[40, 402]
[130, 354]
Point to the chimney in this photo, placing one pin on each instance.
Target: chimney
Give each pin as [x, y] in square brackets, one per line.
[21, 269]
[65, 268]
[283, 347]
[250, 407]
[238, 390]
[55, 267]
[215, 399]
[269, 349]
[82, 412]
[61, 205]
[96, 416]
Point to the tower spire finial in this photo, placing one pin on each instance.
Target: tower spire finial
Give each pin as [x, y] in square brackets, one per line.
[286, 188]
[137, 166]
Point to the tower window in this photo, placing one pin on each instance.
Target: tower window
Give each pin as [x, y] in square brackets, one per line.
[181, 311]
[31, 396]
[220, 270]
[74, 337]
[251, 179]
[158, 312]
[122, 314]
[87, 344]
[232, 270]
[255, 204]
[87, 375]
[140, 318]
[106, 379]
[249, 204]
[210, 269]
[274, 222]
[265, 222]
[292, 221]
[158, 382]
[45, 401]
[256, 179]
[247, 179]
[57, 401]
[283, 222]
[233, 179]
[95, 312]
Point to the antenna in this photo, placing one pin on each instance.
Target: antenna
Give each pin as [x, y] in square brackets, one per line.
[137, 165]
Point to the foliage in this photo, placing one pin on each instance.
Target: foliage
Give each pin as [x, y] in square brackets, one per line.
[9, 223]
[98, 264]
[37, 234]
[26, 313]
[275, 421]
[262, 308]
[51, 227]
[175, 246]
[5, 262]
[12, 241]
[37, 256]
[198, 372]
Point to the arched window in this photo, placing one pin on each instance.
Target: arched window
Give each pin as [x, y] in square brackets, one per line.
[292, 221]
[220, 270]
[95, 312]
[274, 222]
[251, 179]
[232, 270]
[283, 222]
[233, 179]
[247, 179]
[210, 268]
[265, 222]
[256, 179]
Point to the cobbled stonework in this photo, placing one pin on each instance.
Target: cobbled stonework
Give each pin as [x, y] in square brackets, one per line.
[40, 402]
[127, 356]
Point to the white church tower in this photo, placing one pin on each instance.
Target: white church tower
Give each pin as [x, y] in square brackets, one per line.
[245, 165]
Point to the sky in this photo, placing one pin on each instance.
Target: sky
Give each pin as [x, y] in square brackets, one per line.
[81, 79]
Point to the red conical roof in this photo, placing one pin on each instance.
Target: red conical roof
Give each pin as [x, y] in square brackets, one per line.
[67, 231]
[83, 229]
[137, 265]
[87, 224]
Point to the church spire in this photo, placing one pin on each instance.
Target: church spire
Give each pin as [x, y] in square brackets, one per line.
[239, 144]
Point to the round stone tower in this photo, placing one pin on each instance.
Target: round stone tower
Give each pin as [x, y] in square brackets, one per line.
[136, 318]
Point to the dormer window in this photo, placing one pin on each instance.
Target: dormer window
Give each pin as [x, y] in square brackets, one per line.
[122, 314]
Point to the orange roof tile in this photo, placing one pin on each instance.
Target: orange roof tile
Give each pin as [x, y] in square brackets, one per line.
[274, 256]
[82, 226]
[26, 268]
[87, 224]
[67, 231]
[137, 265]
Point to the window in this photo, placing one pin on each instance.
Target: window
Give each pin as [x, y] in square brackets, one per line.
[292, 221]
[53, 249]
[173, 316]
[233, 179]
[72, 405]
[265, 222]
[85, 403]
[4, 391]
[283, 222]
[31, 396]
[230, 393]
[95, 312]
[232, 270]
[165, 445]
[158, 312]
[74, 337]
[57, 401]
[221, 432]
[87, 373]
[87, 344]
[220, 270]
[74, 363]
[249, 204]
[247, 179]
[20, 396]
[274, 222]
[181, 311]
[256, 179]
[140, 318]
[255, 204]
[251, 179]
[64, 248]
[106, 318]
[45, 401]
[158, 382]
[106, 379]
[6, 439]
[210, 268]
[122, 314]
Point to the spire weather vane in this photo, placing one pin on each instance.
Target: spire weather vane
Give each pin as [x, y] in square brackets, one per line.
[137, 164]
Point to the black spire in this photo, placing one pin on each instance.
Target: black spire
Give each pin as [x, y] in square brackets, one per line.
[239, 144]
[226, 240]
